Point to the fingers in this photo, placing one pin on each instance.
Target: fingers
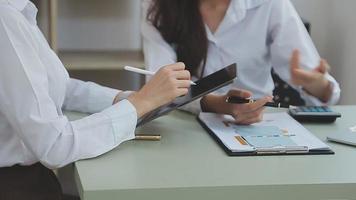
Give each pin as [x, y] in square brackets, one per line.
[295, 63]
[294, 66]
[183, 83]
[177, 66]
[182, 75]
[302, 76]
[250, 113]
[250, 121]
[295, 60]
[240, 93]
[327, 66]
[250, 107]
[181, 92]
[250, 118]
[177, 71]
[323, 67]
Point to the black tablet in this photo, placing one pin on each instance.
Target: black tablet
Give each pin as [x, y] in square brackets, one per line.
[203, 87]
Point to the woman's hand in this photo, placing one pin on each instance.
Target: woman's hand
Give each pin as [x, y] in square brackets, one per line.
[313, 82]
[244, 114]
[167, 84]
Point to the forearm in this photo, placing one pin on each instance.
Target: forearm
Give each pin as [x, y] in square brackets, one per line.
[88, 97]
[213, 103]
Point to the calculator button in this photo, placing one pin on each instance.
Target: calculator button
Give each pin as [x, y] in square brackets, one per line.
[320, 109]
[304, 109]
[327, 109]
[312, 109]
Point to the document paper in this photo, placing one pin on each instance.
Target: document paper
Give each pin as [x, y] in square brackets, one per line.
[276, 130]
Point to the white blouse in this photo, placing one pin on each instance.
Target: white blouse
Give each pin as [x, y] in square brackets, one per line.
[255, 34]
[35, 87]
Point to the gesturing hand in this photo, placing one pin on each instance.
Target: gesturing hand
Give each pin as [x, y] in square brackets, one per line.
[314, 82]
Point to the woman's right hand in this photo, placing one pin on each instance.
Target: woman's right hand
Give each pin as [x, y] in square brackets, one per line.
[167, 84]
[244, 114]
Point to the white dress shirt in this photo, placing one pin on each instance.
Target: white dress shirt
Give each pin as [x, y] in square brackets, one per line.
[255, 34]
[35, 87]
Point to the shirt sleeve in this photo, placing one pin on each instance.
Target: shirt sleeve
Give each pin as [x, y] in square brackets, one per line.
[287, 32]
[89, 97]
[26, 104]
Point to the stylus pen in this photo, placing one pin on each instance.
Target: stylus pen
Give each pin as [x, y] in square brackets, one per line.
[238, 100]
[148, 137]
[145, 72]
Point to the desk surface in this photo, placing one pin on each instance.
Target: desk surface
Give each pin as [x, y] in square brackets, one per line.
[188, 164]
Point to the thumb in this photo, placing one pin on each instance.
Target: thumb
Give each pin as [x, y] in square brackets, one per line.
[295, 60]
[323, 67]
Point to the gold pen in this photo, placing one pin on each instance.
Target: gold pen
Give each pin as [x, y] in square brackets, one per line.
[148, 137]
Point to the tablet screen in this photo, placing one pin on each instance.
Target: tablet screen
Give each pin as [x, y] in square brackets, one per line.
[203, 87]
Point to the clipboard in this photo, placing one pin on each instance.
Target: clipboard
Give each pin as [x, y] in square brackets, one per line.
[274, 151]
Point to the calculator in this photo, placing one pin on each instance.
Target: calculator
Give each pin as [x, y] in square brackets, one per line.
[319, 114]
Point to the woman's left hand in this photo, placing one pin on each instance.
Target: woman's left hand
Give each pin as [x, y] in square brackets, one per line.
[314, 82]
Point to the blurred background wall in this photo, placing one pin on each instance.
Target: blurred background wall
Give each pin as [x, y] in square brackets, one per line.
[334, 32]
[99, 25]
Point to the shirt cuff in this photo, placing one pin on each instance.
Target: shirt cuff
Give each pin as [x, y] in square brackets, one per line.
[102, 97]
[122, 114]
[313, 101]
[124, 95]
[335, 96]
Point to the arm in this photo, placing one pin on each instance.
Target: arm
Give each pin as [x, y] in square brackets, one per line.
[27, 106]
[287, 33]
[89, 97]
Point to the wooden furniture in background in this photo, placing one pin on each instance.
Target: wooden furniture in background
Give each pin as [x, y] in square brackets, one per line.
[89, 60]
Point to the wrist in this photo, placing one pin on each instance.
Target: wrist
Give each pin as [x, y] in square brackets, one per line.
[122, 95]
[322, 90]
[140, 103]
[211, 103]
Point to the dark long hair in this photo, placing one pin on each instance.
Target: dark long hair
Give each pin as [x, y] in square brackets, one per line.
[181, 25]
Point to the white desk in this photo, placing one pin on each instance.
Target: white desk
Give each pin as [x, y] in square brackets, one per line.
[188, 164]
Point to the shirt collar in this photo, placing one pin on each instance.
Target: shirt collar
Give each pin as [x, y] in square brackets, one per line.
[238, 8]
[19, 4]
[236, 13]
[27, 8]
[247, 4]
